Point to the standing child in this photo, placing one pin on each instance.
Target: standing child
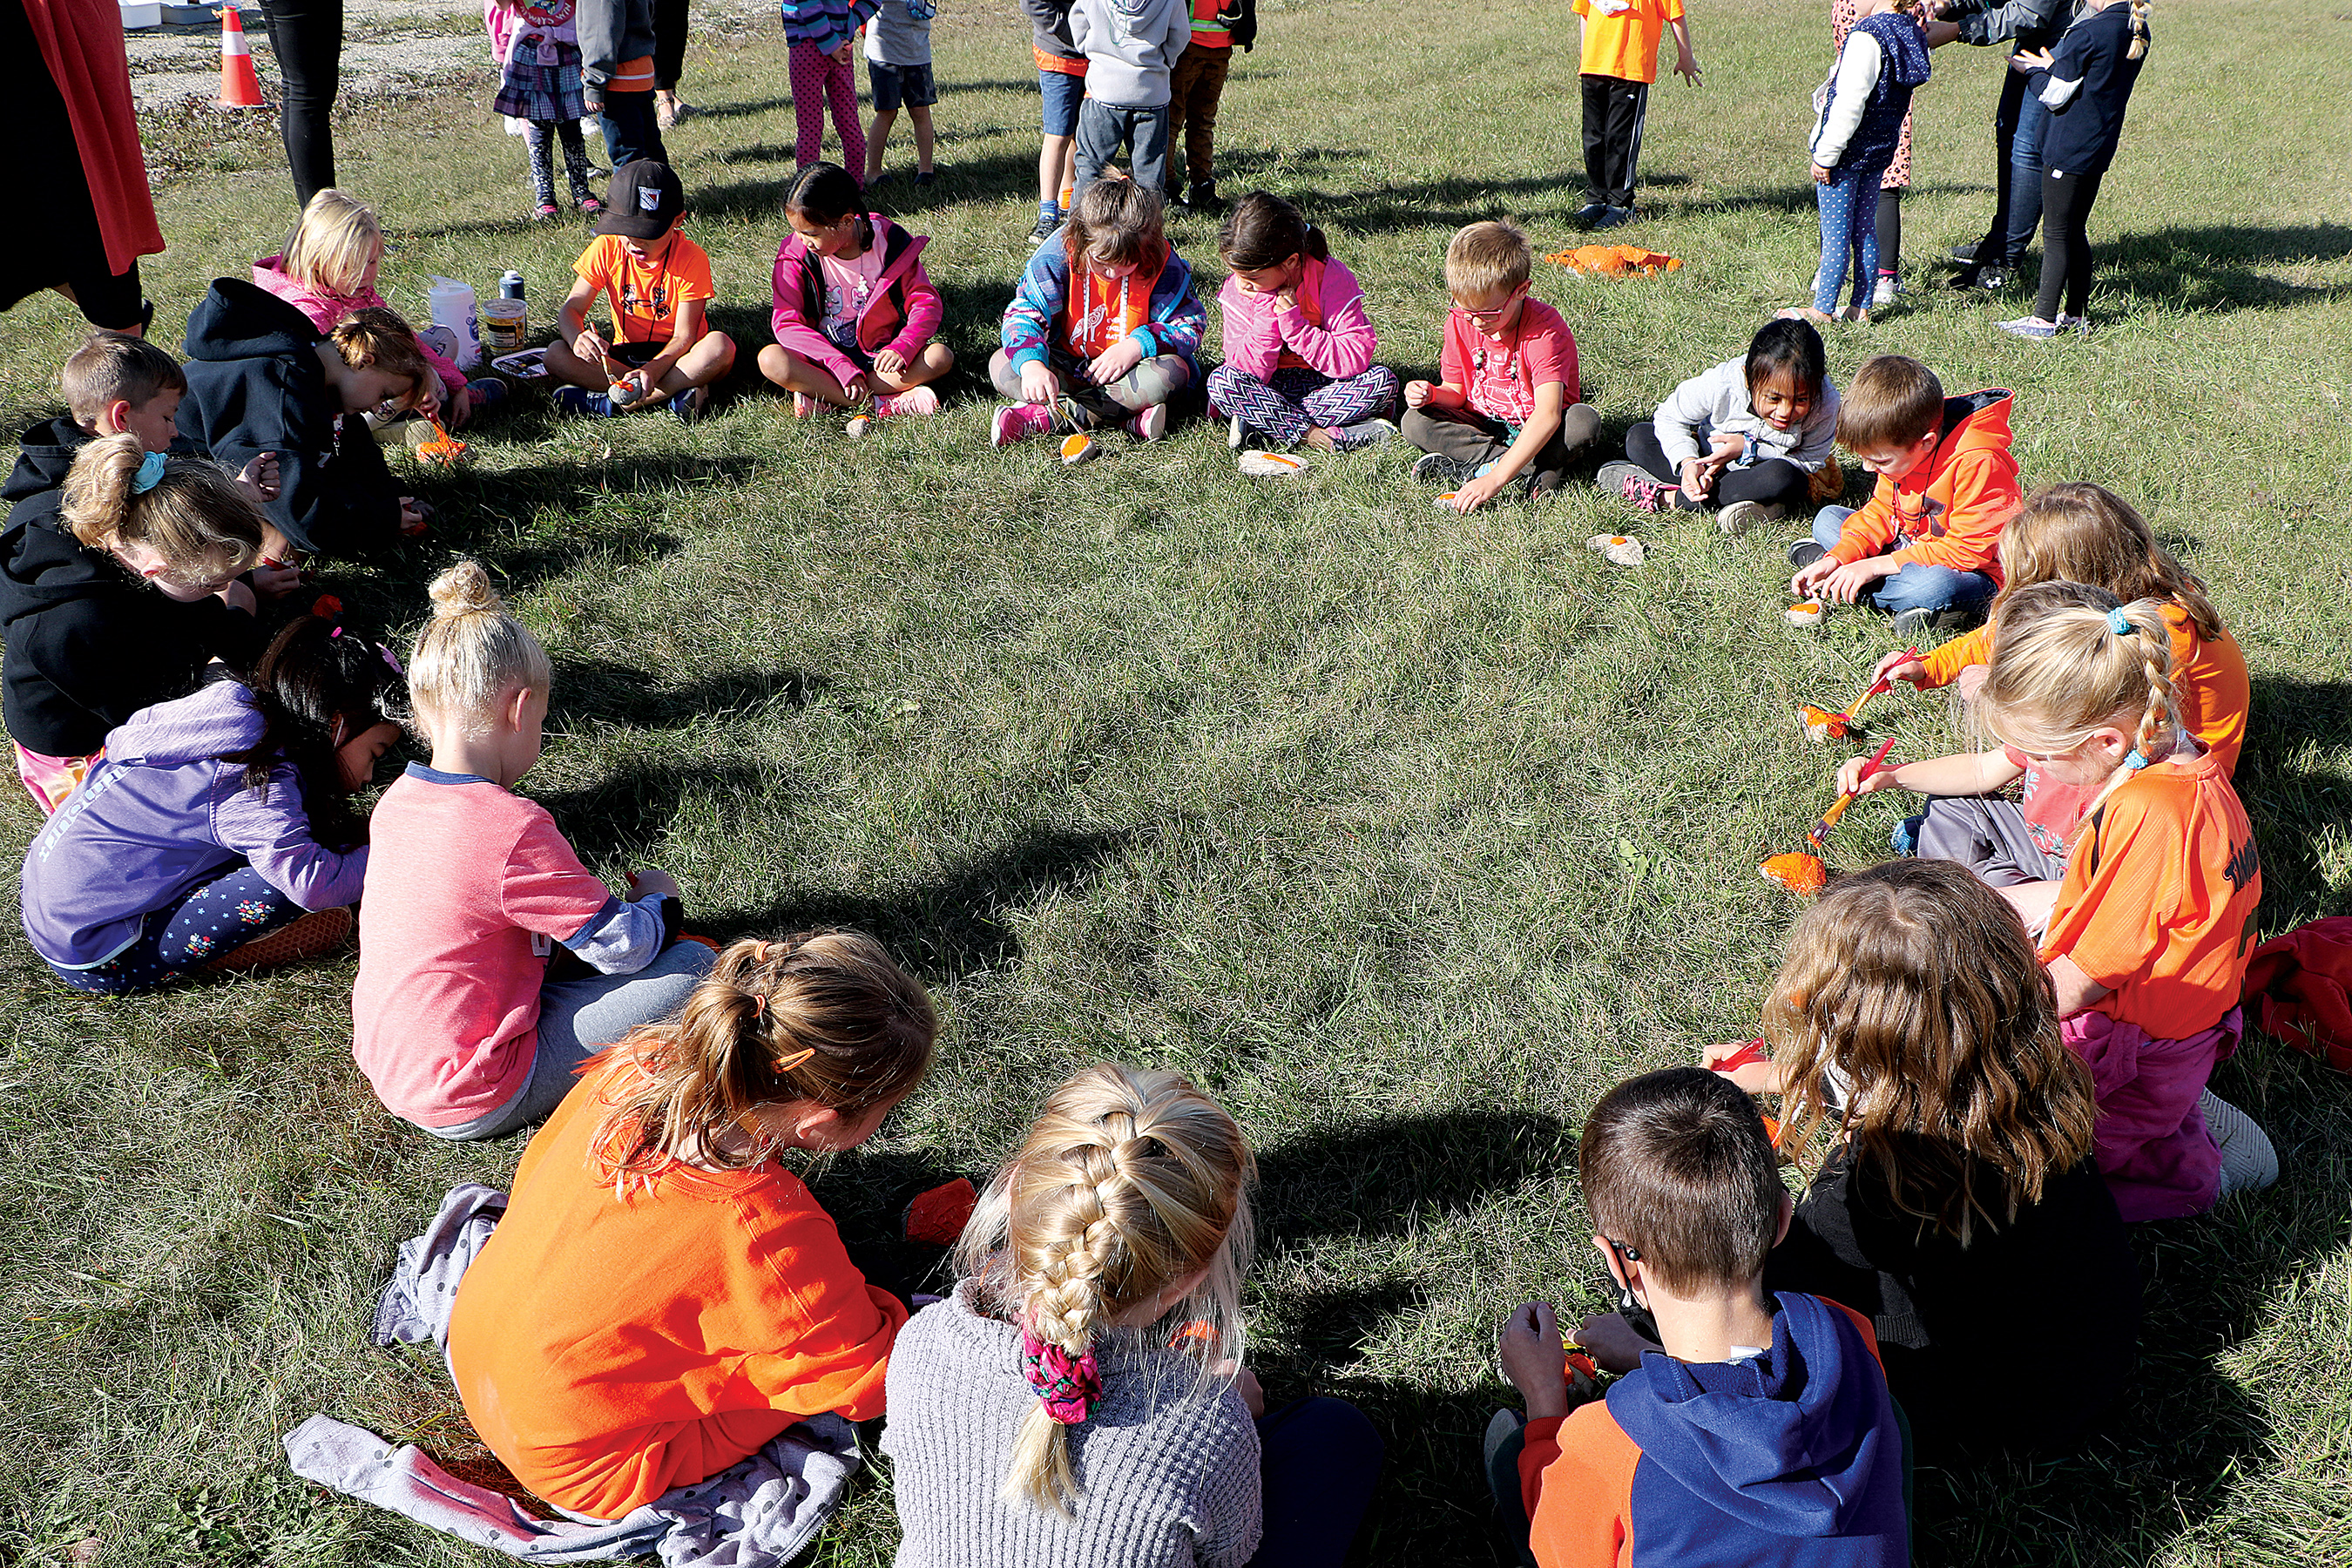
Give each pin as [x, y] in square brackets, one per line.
[1508, 405]
[1844, 14]
[657, 283]
[1104, 327]
[1080, 1398]
[1299, 348]
[217, 833]
[617, 76]
[1911, 1017]
[823, 35]
[537, 46]
[456, 1019]
[1864, 107]
[1747, 437]
[1620, 60]
[856, 314]
[898, 63]
[2147, 933]
[662, 1297]
[2086, 82]
[1754, 1427]
[1130, 46]
[1925, 550]
[1195, 86]
[1061, 88]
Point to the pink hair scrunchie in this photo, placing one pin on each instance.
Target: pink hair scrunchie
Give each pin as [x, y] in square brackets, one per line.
[1067, 1387]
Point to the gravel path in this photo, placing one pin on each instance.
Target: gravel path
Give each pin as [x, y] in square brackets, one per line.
[387, 43]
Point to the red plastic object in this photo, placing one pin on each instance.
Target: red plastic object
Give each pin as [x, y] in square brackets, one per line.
[1753, 1051]
[938, 1216]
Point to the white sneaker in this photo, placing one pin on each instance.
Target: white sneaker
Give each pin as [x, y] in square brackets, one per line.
[1883, 295]
[1237, 434]
[1743, 515]
[1151, 423]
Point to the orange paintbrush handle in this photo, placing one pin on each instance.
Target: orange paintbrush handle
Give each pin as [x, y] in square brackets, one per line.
[1829, 819]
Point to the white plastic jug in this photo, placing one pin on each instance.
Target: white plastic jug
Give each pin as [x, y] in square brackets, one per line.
[452, 304]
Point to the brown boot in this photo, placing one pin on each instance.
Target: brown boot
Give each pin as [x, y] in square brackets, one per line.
[313, 936]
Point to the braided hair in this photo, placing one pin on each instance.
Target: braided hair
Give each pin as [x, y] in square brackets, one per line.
[2069, 659]
[2138, 30]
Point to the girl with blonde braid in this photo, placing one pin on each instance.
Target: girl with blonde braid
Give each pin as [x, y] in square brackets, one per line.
[663, 1298]
[1079, 1402]
[2146, 931]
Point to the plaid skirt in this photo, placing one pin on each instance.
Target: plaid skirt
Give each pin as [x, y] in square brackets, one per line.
[534, 91]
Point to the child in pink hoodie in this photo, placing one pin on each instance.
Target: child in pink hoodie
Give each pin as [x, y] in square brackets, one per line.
[1298, 349]
[856, 312]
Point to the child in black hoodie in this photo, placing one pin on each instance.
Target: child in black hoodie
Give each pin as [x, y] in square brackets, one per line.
[261, 379]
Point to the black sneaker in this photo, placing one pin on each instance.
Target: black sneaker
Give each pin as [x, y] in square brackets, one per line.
[1202, 197]
[1047, 229]
[1966, 255]
[1803, 552]
[1588, 214]
[924, 177]
[1613, 217]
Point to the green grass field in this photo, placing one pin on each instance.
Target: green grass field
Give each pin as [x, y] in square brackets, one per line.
[1405, 835]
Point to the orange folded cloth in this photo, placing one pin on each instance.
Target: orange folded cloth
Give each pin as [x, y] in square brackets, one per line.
[1614, 261]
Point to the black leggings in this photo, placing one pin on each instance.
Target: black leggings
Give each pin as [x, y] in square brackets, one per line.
[2065, 245]
[1773, 479]
[307, 35]
[1890, 232]
[670, 42]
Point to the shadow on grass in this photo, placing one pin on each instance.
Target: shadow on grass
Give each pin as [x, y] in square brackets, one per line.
[624, 815]
[598, 690]
[612, 508]
[2292, 720]
[2224, 267]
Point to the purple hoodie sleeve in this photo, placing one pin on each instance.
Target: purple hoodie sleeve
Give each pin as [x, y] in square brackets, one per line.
[270, 830]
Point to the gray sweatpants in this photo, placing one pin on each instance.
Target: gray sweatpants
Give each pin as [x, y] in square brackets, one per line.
[1989, 836]
[1085, 407]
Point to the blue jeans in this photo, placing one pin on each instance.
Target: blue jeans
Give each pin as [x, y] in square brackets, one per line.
[1914, 588]
[1105, 128]
[630, 130]
[2025, 177]
[1320, 1459]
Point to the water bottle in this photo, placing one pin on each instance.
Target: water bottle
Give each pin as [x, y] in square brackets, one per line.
[511, 284]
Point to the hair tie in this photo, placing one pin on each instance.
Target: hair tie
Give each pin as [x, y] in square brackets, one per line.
[2135, 761]
[333, 635]
[789, 1063]
[1067, 1386]
[2119, 623]
[150, 474]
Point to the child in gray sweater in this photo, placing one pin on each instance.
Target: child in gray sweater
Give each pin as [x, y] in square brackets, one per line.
[1131, 47]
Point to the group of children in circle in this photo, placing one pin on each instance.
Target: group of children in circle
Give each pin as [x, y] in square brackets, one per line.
[1995, 1050]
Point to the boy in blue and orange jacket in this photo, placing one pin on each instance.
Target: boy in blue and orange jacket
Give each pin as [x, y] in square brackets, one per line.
[1753, 1429]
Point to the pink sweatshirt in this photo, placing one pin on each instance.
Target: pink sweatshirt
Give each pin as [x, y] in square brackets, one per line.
[325, 309]
[903, 312]
[1259, 332]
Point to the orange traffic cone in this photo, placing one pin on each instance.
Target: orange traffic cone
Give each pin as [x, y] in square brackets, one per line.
[240, 89]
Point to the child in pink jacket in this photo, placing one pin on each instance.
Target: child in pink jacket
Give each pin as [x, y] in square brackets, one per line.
[1298, 349]
[856, 312]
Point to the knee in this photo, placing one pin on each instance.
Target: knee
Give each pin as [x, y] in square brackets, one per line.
[1580, 422]
[717, 351]
[775, 363]
[1829, 523]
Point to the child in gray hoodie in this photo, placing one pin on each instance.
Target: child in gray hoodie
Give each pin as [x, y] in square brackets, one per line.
[1130, 46]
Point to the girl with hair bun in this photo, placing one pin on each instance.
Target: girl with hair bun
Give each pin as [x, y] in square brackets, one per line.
[2145, 917]
[119, 600]
[662, 1297]
[492, 963]
[215, 832]
[1079, 1400]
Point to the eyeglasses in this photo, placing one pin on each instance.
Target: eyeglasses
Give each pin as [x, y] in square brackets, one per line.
[1629, 1306]
[1496, 314]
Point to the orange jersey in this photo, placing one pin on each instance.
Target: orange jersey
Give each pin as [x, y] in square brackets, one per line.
[1622, 41]
[2159, 901]
[1949, 511]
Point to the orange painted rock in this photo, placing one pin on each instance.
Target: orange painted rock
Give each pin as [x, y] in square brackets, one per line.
[1820, 724]
[444, 453]
[1799, 873]
[1077, 448]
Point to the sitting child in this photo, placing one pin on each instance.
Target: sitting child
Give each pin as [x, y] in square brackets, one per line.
[1104, 327]
[657, 282]
[1912, 1018]
[1747, 437]
[1922, 550]
[1506, 407]
[88, 644]
[459, 1017]
[1077, 1399]
[216, 832]
[2147, 928]
[662, 1297]
[857, 319]
[263, 378]
[1752, 1428]
[1298, 349]
[328, 270]
[2080, 532]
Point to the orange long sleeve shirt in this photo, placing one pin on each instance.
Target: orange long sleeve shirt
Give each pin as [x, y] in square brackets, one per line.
[1950, 511]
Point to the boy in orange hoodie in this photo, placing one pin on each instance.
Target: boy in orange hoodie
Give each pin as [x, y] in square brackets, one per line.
[1924, 549]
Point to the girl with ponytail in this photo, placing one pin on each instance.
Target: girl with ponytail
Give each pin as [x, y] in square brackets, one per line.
[492, 963]
[2144, 915]
[1080, 1399]
[1298, 347]
[662, 1297]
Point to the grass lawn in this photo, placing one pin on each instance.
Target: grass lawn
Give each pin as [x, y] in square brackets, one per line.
[1407, 835]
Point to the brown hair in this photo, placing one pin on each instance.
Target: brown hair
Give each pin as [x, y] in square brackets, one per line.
[1914, 988]
[1892, 401]
[827, 1017]
[1488, 257]
[1677, 1168]
[1264, 230]
[2082, 532]
[117, 367]
[2061, 670]
[206, 530]
[1115, 223]
[376, 338]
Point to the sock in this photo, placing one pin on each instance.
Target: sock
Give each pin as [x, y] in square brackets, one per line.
[1049, 212]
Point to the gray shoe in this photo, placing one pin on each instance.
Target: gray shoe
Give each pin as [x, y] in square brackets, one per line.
[1613, 217]
[1905, 622]
[2248, 1161]
[1803, 552]
[1741, 516]
[1364, 432]
[1437, 468]
[1589, 215]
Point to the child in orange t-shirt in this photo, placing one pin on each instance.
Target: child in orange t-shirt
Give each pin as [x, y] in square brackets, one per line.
[1619, 61]
[658, 284]
[663, 1298]
[2147, 933]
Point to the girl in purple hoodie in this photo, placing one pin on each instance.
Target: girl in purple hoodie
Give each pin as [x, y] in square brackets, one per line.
[1298, 349]
[216, 832]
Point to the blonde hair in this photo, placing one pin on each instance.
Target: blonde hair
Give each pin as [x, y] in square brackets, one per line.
[1488, 258]
[376, 338]
[332, 244]
[2138, 30]
[1130, 1181]
[2082, 532]
[117, 367]
[1917, 986]
[206, 529]
[827, 1017]
[472, 653]
[2061, 670]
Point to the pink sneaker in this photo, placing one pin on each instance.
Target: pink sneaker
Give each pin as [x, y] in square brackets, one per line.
[804, 405]
[920, 400]
[1151, 423]
[1017, 422]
